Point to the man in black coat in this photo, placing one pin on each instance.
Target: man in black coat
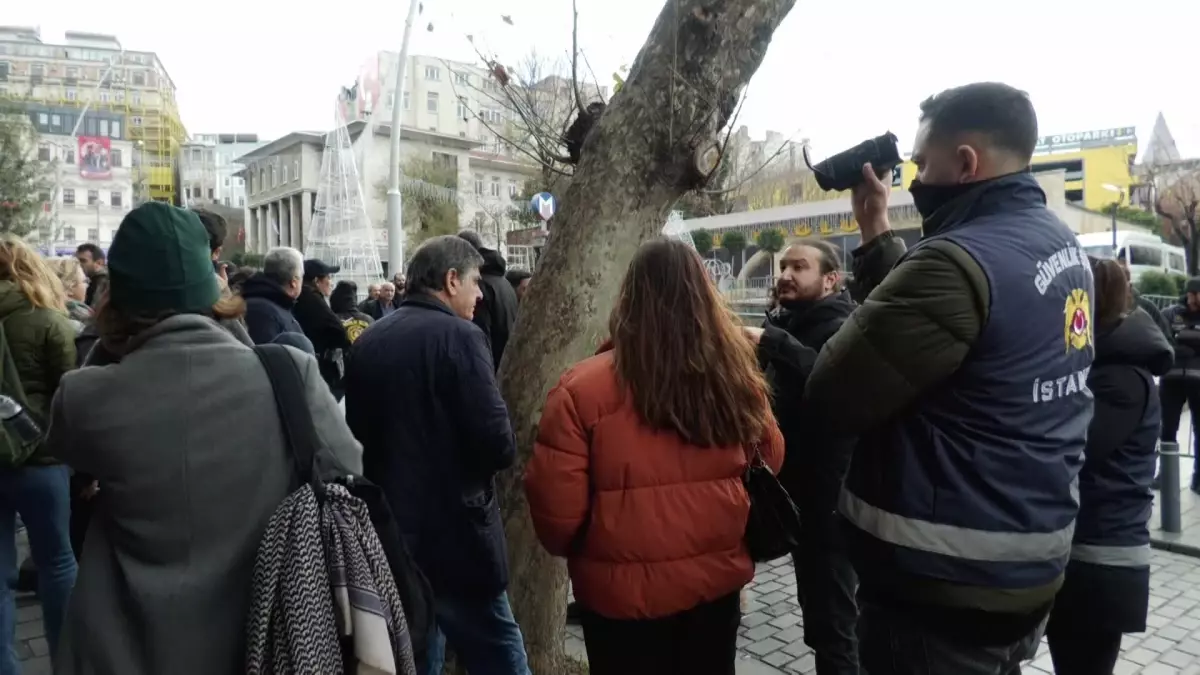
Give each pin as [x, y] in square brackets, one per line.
[421, 397]
[812, 306]
[322, 327]
[271, 294]
[497, 310]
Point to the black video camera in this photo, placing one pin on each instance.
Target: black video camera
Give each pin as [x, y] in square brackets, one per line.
[844, 170]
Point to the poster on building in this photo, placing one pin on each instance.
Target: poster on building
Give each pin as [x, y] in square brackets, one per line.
[94, 157]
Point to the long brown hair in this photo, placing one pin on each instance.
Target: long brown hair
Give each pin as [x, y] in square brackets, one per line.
[681, 353]
[116, 327]
[1113, 294]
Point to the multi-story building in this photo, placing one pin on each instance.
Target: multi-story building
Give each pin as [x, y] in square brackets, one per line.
[91, 186]
[89, 83]
[446, 99]
[281, 179]
[208, 168]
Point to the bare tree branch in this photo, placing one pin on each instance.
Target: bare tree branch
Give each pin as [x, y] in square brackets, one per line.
[575, 57]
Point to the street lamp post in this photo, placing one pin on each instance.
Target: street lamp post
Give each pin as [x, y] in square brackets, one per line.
[1120, 198]
[395, 227]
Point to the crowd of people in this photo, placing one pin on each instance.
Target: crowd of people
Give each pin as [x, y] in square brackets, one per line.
[967, 430]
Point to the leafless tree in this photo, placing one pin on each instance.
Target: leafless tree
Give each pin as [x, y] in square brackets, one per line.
[1178, 205]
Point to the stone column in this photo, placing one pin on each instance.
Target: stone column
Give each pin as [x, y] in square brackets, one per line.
[250, 222]
[264, 227]
[306, 213]
[273, 223]
[297, 211]
[285, 222]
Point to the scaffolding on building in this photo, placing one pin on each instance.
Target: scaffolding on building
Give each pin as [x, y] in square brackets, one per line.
[341, 232]
[147, 105]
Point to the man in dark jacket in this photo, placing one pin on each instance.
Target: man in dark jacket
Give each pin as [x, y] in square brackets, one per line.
[812, 307]
[1181, 384]
[497, 310]
[91, 259]
[384, 303]
[963, 376]
[271, 294]
[421, 397]
[322, 327]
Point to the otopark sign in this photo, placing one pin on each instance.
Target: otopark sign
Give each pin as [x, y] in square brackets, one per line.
[1078, 140]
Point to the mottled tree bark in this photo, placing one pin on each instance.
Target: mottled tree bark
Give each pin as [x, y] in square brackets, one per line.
[654, 143]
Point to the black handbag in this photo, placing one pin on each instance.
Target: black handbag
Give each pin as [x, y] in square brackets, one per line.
[773, 528]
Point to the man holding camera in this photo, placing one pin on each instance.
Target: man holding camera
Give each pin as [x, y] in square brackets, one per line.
[963, 375]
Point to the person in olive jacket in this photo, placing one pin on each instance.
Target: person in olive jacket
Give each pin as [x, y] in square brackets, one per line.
[41, 341]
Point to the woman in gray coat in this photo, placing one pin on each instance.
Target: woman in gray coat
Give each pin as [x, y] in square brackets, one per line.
[183, 437]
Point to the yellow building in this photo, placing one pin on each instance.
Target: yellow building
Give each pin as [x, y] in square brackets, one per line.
[95, 73]
[1094, 162]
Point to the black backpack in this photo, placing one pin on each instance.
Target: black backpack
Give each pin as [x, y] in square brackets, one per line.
[415, 592]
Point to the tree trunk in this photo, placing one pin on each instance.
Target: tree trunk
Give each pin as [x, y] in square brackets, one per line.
[637, 161]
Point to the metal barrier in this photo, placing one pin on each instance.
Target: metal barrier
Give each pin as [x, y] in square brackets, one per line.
[1168, 487]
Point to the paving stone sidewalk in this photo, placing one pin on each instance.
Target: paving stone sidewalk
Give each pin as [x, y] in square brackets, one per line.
[771, 641]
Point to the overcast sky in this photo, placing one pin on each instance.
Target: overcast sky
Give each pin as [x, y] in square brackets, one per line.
[836, 73]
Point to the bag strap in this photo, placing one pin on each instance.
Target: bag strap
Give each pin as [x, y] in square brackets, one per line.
[298, 430]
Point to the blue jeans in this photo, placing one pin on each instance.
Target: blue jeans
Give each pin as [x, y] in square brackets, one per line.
[41, 494]
[483, 634]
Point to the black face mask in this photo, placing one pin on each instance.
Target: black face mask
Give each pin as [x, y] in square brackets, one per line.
[929, 198]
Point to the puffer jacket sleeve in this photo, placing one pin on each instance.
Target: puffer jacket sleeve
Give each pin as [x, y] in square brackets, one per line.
[556, 479]
[60, 352]
[772, 449]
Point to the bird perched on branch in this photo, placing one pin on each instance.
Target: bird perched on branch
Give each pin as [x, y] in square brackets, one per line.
[579, 129]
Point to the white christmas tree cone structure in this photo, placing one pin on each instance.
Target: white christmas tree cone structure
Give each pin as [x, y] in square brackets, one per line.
[341, 232]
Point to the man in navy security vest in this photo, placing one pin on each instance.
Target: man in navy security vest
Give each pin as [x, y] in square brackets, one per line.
[964, 376]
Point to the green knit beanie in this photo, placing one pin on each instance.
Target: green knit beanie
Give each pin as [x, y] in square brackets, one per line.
[160, 262]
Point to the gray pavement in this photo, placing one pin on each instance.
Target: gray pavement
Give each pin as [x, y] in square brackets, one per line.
[771, 640]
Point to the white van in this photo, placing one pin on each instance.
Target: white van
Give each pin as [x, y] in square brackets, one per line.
[1142, 251]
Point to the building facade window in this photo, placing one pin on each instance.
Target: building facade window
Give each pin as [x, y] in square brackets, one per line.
[93, 197]
[285, 173]
[433, 73]
[68, 197]
[115, 199]
[295, 170]
[407, 101]
[462, 78]
[478, 184]
[70, 156]
[512, 188]
[137, 121]
[271, 174]
[68, 233]
[37, 70]
[43, 152]
[495, 186]
[93, 234]
[72, 95]
[464, 111]
[431, 101]
[114, 157]
[116, 129]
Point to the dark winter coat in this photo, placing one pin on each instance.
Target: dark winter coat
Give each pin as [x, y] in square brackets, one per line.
[421, 396]
[1115, 500]
[374, 307]
[268, 309]
[326, 332]
[1185, 335]
[496, 312]
[788, 349]
[97, 285]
